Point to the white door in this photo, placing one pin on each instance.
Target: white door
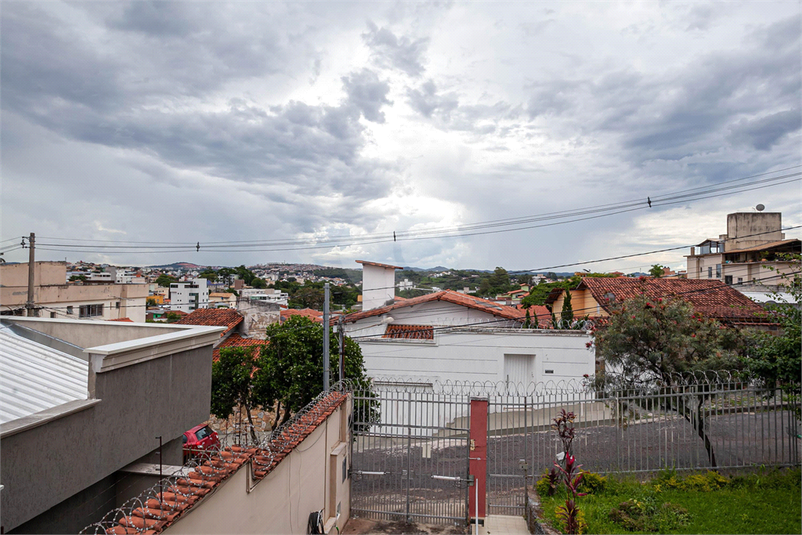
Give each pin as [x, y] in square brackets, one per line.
[518, 369]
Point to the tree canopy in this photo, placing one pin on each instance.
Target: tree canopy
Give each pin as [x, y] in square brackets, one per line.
[776, 357]
[651, 343]
[286, 374]
[164, 280]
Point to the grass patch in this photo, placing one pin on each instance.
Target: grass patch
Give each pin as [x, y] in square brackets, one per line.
[769, 501]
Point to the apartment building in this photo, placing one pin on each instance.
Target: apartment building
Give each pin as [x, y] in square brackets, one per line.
[54, 297]
[750, 255]
[189, 296]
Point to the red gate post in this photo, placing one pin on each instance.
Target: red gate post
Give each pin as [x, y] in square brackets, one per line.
[478, 460]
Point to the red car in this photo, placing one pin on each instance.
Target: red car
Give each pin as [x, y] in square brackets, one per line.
[199, 439]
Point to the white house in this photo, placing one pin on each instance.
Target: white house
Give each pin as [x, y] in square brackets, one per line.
[449, 336]
[189, 296]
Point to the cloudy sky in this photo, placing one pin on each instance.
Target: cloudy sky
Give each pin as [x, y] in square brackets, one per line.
[315, 130]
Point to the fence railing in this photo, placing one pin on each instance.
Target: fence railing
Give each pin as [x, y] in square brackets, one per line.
[695, 422]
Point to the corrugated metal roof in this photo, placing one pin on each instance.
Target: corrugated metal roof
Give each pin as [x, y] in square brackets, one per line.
[36, 377]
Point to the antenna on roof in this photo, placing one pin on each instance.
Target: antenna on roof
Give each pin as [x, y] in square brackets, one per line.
[760, 207]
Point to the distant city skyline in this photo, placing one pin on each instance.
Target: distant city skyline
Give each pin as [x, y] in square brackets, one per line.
[344, 131]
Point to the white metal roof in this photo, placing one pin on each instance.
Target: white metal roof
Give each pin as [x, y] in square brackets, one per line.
[34, 377]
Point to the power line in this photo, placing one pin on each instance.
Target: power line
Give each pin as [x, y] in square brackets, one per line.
[549, 219]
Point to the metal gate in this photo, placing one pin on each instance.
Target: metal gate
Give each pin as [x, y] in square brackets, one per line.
[410, 454]
[411, 447]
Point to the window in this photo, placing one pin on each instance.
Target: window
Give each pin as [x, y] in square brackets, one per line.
[728, 279]
[69, 310]
[117, 305]
[740, 280]
[710, 272]
[52, 314]
[718, 271]
[88, 311]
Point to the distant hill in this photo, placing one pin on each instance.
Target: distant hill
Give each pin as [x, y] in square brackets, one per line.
[179, 265]
[436, 268]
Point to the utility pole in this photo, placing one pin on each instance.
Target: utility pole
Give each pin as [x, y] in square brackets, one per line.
[29, 310]
[326, 337]
[342, 348]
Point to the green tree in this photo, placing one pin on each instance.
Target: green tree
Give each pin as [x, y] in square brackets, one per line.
[567, 313]
[151, 302]
[776, 357]
[654, 342]
[258, 283]
[308, 296]
[234, 385]
[657, 271]
[164, 280]
[528, 320]
[81, 278]
[208, 274]
[291, 365]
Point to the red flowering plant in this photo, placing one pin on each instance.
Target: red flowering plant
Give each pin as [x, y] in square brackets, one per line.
[571, 476]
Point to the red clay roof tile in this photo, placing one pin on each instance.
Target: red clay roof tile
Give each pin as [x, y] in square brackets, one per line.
[448, 296]
[215, 317]
[712, 298]
[410, 332]
[236, 340]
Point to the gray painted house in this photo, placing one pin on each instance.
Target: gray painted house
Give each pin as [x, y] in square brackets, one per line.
[81, 404]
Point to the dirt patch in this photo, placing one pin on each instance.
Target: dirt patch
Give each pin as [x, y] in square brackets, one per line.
[362, 526]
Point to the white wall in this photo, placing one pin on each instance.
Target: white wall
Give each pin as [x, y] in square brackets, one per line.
[378, 286]
[479, 355]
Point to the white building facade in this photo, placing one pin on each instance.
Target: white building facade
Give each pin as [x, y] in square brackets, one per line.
[189, 296]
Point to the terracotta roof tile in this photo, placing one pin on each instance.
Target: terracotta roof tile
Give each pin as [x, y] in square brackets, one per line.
[215, 317]
[410, 332]
[449, 296]
[129, 320]
[311, 313]
[235, 340]
[153, 514]
[711, 298]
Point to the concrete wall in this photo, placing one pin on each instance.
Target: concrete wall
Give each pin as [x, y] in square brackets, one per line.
[766, 224]
[45, 465]
[45, 273]
[258, 315]
[92, 334]
[309, 479]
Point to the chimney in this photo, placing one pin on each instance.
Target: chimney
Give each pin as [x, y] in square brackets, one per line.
[378, 284]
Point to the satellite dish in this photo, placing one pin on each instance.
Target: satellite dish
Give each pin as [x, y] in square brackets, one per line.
[760, 207]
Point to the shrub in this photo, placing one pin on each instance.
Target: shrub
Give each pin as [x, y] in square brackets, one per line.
[592, 483]
[548, 482]
[645, 515]
[572, 520]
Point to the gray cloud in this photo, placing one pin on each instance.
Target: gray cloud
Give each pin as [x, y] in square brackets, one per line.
[765, 132]
[448, 113]
[398, 52]
[367, 93]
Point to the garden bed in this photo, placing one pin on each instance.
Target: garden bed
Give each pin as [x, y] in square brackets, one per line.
[766, 501]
